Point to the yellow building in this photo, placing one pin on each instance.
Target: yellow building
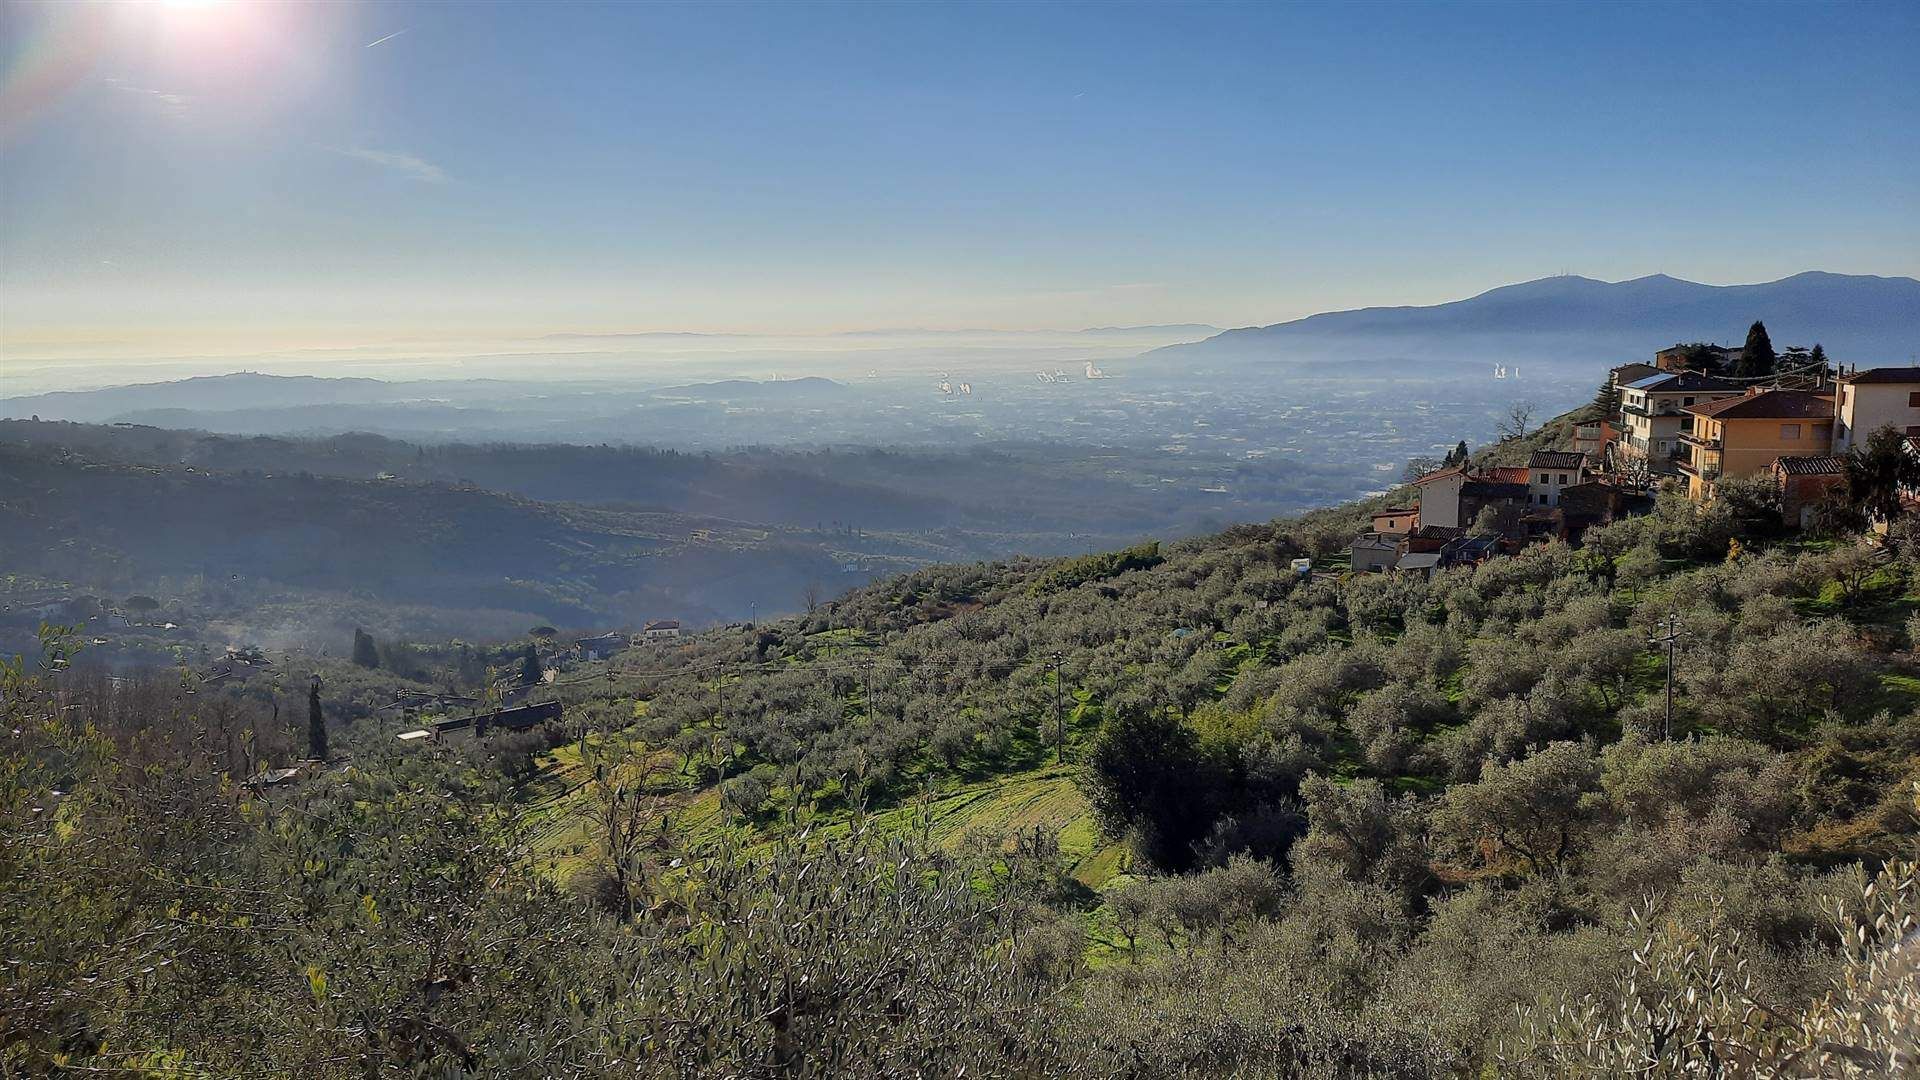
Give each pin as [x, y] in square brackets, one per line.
[1744, 436]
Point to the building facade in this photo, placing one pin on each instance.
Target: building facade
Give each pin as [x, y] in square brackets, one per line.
[1866, 401]
[1744, 436]
[1396, 521]
[1654, 417]
[1550, 472]
[1806, 482]
[1453, 498]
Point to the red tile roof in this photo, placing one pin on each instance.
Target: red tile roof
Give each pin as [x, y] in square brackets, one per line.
[1767, 405]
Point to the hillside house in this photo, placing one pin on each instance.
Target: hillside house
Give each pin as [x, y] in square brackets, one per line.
[1866, 401]
[1453, 498]
[1654, 417]
[1804, 483]
[1627, 373]
[1374, 551]
[1427, 554]
[479, 725]
[1743, 436]
[661, 630]
[1582, 506]
[1593, 439]
[604, 646]
[1423, 563]
[1549, 472]
[1396, 521]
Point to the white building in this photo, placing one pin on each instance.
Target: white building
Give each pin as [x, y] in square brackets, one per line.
[1866, 401]
[1550, 472]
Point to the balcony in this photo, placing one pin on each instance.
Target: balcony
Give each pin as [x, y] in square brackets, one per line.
[1659, 411]
[1706, 468]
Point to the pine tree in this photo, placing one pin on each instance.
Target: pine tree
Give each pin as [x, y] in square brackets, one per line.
[1757, 357]
[364, 652]
[530, 667]
[1607, 401]
[316, 724]
[1458, 455]
[1818, 357]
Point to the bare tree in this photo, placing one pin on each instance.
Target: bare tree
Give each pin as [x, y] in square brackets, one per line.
[1418, 467]
[811, 596]
[632, 818]
[1518, 421]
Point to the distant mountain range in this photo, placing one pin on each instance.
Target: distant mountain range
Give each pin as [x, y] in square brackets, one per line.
[251, 401]
[1859, 319]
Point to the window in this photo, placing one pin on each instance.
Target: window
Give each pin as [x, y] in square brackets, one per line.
[1789, 432]
[1563, 478]
[1686, 401]
[1913, 400]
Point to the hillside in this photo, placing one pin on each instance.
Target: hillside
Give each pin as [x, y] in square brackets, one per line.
[1364, 825]
[1561, 320]
[299, 559]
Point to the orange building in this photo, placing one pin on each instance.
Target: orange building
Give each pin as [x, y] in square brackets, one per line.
[1744, 436]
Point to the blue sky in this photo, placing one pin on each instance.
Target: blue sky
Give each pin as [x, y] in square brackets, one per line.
[198, 174]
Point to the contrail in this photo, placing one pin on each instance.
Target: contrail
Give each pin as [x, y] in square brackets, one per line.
[384, 40]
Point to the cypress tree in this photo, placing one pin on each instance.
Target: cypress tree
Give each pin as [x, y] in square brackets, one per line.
[316, 724]
[530, 667]
[1757, 356]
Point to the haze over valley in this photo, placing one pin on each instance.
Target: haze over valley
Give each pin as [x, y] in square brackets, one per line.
[631, 481]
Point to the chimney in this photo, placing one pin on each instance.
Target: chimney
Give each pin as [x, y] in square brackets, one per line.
[1753, 391]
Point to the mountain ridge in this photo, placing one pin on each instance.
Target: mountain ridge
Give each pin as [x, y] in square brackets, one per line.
[1861, 317]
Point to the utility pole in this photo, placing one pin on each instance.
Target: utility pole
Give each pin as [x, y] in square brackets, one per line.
[1670, 639]
[1059, 718]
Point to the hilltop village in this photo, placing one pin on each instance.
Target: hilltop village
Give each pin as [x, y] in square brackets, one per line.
[1689, 421]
